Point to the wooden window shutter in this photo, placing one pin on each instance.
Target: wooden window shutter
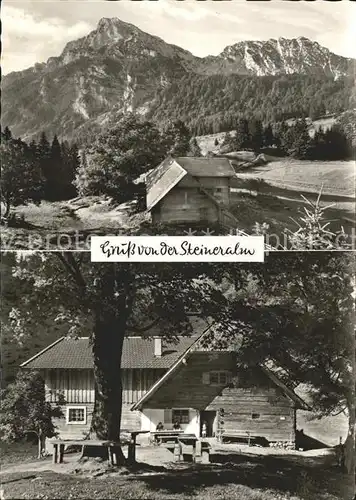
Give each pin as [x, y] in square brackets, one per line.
[206, 378]
[167, 416]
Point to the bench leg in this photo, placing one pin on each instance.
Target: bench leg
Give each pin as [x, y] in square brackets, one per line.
[197, 451]
[205, 457]
[55, 453]
[112, 456]
[177, 452]
[131, 453]
[61, 453]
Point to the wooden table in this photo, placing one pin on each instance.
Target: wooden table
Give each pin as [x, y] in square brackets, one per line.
[131, 453]
[60, 444]
[200, 449]
[160, 437]
[111, 446]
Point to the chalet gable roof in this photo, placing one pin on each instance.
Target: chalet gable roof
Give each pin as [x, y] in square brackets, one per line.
[138, 352]
[196, 345]
[172, 170]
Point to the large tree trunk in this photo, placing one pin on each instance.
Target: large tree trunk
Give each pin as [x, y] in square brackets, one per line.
[350, 444]
[107, 350]
[108, 338]
[350, 449]
[41, 443]
[7, 205]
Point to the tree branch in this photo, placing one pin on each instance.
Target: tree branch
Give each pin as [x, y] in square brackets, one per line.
[73, 268]
[341, 411]
[137, 329]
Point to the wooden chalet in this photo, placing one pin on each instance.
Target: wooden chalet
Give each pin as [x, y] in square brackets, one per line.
[189, 190]
[168, 382]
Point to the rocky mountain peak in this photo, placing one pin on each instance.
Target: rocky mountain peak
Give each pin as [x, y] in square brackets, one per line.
[118, 68]
[282, 56]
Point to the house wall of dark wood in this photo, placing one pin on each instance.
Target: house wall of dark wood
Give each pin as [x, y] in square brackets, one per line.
[251, 403]
[187, 203]
[184, 204]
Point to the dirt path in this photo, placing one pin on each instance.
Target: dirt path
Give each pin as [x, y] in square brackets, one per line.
[162, 457]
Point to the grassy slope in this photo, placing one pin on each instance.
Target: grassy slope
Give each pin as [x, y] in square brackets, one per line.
[327, 430]
[279, 214]
[57, 222]
[336, 177]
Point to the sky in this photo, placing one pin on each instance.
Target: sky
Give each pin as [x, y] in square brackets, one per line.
[35, 30]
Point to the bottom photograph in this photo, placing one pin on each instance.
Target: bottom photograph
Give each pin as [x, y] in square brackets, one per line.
[173, 381]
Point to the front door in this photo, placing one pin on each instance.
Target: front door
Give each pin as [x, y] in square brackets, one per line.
[207, 418]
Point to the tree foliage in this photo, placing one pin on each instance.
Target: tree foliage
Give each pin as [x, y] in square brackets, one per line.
[314, 232]
[21, 180]
[302, 322]
[24, 410]
[194, 149]
[177, 138]
[118, 157]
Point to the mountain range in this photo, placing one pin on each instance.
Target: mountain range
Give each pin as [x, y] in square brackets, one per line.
[117, 68]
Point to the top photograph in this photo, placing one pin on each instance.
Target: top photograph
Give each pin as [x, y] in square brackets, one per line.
[178, 118]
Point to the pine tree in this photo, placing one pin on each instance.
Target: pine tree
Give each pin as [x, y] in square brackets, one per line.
[55, 172]
[7, 134]
[268, 136]
[21, 179]
[337, 146]
[242, 138]
[44, 157]
[302, 144]
[194, 149]
[256, 134]
[71, 163]
[177, 138]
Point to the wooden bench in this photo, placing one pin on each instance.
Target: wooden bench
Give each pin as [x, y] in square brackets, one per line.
[200, 449]
[247, 436]
[112, 447]
[159, 437]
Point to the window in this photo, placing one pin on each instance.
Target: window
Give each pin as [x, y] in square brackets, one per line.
[76, 415]
[219, 378]
[182, 416]
[218, 190]
[254, 416]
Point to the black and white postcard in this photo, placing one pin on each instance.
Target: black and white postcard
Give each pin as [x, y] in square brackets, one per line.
[178, 266]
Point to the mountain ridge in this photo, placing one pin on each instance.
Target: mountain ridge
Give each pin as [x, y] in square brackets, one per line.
[118, 68]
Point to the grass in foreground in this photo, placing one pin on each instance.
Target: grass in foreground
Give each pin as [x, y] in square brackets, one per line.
[14, 453]
[242, 477]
